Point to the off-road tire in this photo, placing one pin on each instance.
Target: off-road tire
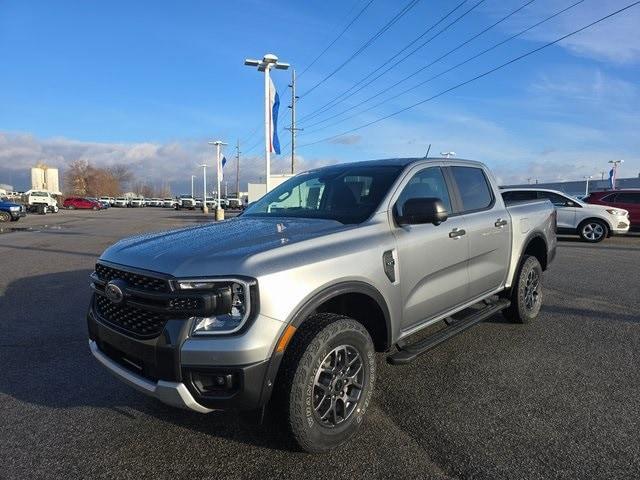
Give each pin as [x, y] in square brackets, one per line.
[5, 217]
[293, 399]
[522, 310]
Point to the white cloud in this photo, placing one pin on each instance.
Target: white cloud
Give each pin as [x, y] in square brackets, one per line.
[156, 163]
[615, 40]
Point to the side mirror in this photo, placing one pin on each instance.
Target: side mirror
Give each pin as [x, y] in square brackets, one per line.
[423, 210]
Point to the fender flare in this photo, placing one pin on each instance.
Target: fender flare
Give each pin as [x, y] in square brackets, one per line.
[324, 294]
[306, 307]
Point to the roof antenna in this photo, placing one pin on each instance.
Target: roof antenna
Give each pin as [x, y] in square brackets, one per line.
[428, 150]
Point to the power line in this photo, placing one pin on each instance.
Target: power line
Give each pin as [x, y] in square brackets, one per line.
[477, 77]
[337, 38]
[344, 95]
[378, 34]
[421, 69]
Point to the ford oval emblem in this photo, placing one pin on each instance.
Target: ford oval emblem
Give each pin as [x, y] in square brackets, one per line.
[114, 292]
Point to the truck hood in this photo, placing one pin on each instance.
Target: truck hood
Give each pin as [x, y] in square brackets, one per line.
[216, 248]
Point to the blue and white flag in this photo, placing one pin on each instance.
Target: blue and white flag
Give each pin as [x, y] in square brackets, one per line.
[274, 104]
[612, 178]
[223, 162]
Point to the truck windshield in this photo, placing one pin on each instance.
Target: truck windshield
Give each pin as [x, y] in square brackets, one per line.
[347, 194]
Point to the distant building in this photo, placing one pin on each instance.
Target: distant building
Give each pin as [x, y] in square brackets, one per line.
[578, 187]
[5, 188]
[45, 178]
[257, 190]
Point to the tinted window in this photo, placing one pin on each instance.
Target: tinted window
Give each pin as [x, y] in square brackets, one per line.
[557, 200]
[628, 197]
[348, 194]
[473, 187]
[428, 183]
[519, 195]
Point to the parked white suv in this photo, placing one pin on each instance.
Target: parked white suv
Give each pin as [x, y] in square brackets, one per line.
[593, 223]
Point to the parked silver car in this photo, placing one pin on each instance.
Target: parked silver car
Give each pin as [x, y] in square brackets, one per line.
[287, 304]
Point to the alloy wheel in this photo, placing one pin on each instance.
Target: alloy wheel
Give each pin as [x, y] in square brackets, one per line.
[531, 290]
[593, 231]
[338, 385]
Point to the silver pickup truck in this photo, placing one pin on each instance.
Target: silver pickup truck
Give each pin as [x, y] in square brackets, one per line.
[286, 305]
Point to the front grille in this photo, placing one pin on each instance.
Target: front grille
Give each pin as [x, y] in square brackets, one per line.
[144, 282]
[141, 323]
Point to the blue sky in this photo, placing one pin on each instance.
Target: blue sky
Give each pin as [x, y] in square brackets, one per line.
[148, 83]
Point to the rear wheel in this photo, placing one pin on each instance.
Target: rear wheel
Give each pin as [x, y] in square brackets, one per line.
[71, 207]
[94, 208]
[593, 231]
[326, 381]
[526, 292]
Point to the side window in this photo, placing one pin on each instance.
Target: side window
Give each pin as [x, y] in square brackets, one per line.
[628, 197]
[473, 187]
[519, 195]
[427, 183]
[557, 200]
[610, 198]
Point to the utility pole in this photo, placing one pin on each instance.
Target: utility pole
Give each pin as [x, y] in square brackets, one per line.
[293, 128]
[238, 168]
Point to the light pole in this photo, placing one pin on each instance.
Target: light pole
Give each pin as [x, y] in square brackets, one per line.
[218, 144]
[204, 188]
[586, 188]
[615, 164]
[192, 177]
[268, 62]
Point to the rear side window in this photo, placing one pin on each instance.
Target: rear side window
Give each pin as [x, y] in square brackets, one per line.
[628, 197]
[557, 200]
[519, 196]
[473, 187]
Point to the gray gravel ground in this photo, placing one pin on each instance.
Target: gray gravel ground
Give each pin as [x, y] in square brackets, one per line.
[555, 399]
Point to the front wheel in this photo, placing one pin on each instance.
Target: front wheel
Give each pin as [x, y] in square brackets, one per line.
[5, 217]
[326, 381]
[593, 231]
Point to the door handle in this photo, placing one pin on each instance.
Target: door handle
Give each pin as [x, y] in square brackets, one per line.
[457, 233]
[500, 223]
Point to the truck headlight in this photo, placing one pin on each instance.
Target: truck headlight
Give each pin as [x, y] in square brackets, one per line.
[233, 308]
[613, 211]
[14, 209]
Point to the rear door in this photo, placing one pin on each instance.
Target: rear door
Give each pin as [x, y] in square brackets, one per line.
[432, 263]
[629, 201]
[488, 228]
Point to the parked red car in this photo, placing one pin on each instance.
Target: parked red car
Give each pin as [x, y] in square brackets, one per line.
[627, 199]
[72, 203]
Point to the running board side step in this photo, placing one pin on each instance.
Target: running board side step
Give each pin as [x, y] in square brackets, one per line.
[409, 352]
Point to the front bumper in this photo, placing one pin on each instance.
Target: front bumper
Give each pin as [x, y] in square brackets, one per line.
[171, 366]
[18, 214]
[171, 393]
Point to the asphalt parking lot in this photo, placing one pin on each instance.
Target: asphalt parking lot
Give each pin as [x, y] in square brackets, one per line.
[555, 399]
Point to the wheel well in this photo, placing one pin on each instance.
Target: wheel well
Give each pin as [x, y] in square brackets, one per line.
[364, 309]
[537, 247]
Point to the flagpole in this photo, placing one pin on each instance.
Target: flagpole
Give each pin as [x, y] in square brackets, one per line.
[218, 144]
[267, 124]
[268, 61]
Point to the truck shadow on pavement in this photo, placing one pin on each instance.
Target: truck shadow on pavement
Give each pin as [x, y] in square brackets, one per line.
[47, 362]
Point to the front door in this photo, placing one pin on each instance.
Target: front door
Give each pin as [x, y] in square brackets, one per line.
[564, 206]
[432, 261]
